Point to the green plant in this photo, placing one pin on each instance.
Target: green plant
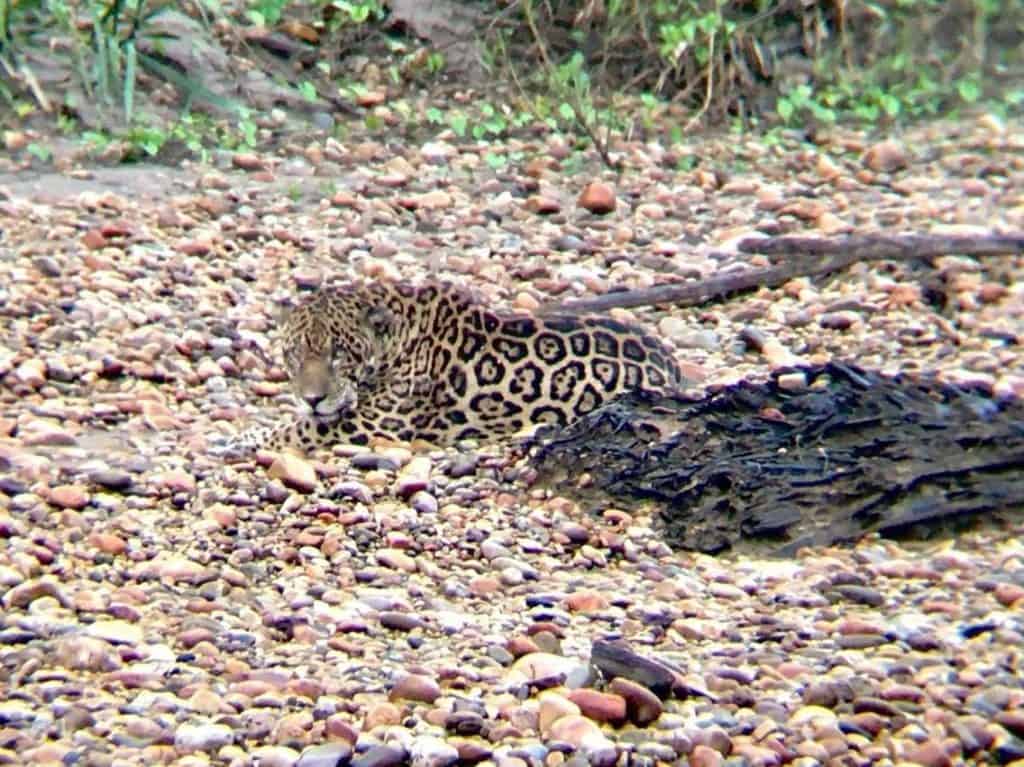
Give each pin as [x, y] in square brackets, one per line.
[247, 128]
[496, 161]
[266, 13]
[696, 33]
[435, 62]
[115, 27]
[459, 123]
[40, 152]
[148, 139]
[800, 102]
[359, 11]
[493, 123]
[99, 36]
[307, 90]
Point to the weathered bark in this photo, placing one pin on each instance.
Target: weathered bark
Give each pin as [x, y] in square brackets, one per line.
[769, 468]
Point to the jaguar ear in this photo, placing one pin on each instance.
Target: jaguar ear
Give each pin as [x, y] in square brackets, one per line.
[381, 319]
[282, 312]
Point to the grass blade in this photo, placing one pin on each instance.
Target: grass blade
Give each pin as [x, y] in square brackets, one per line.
[130, 60]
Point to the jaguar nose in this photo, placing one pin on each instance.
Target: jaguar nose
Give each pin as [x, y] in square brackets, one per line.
[313, 399]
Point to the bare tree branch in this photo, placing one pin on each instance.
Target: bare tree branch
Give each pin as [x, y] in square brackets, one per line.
[809, 256]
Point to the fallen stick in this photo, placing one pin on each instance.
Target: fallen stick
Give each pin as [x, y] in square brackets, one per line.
[811, 256]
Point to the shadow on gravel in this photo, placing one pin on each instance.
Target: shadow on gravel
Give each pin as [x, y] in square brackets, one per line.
[757, 467]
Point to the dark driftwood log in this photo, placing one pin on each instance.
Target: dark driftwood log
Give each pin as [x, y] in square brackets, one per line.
[761, 467]
[810, 256]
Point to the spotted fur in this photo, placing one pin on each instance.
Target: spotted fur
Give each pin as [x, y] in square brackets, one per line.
[431, 362]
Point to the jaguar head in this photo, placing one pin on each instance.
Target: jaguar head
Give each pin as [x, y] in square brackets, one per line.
[331, 350]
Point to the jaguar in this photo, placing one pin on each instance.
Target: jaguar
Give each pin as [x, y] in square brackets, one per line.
[433, 362]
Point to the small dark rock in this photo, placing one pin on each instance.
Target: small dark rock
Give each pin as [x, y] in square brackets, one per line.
[464, 723]
[1010, 749]
[875, 706]
[112, 479]
[374, 462]
[380, 756]
[400, 621]
[463, 465]
[331, 754]
[860, 594]
[820, 694]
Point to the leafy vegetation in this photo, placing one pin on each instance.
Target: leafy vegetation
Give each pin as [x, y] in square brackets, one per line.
[588, 68]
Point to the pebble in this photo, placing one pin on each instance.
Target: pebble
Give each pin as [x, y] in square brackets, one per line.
[704, 756]
[599, 706]
[86, 654]
[586, 737]
[586, 601]
[843, 320]
[396, 560]
[380, 756]
[1008, 594]
[817, 716]
[542, 205]
[539, 665]
[886, 156]
[929, 754]
[642, 706]
[22, 595]
[427, 751]
[69, 497]
[416, 687]
[115, 632]
[862, 594]
[294, 472]
[552, 708]
[202, 737]
[31, 373]
[398, 621]
[275, 756]
[597, 197]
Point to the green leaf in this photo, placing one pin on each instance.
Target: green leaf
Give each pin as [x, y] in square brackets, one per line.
[458, 123]
[891, 105]
[248, 131]
[785, 109]
[867, 112]
[969, 90]
[823, 113]
[40, 152]
[566, 112]
[96, 138]
[308, 90]
[495, 161]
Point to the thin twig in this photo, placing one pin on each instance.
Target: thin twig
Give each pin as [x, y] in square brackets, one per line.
[710, 85]
[37, 91]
